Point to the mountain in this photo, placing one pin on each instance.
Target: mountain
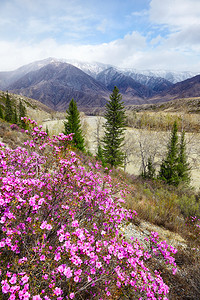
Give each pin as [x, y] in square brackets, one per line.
[131, 90]
[57, 83]
[184, 89]
[171, 76]
[142, 76]
[147, 86]
[7, 78]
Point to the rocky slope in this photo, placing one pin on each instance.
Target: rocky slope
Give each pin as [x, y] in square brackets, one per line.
[185, 89]
[57, 83]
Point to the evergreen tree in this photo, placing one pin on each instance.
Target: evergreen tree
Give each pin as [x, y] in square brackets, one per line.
[114, 130]
[99, 155]
[8, 109]
[15, 118]
[183, 166]
[1, 113]
[22, 113]
[47, 130]
[168, 168]
[150, 170]
[73, 125]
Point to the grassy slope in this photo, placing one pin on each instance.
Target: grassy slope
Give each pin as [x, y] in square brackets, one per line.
[160, 208]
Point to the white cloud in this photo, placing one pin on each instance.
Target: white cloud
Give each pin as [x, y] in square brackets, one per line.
[168, 39]
[15, 54]
[175, 14]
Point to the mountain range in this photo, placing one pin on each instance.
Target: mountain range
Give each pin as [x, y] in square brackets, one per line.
[55, 82]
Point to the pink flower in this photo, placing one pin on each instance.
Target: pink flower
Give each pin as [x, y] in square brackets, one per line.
[48, 227]
[98, 264]
[57, 257]
[5, 288]
[71, 296]
[43, 225]
[37, 297]
[58, 291]
[13, 279]
[89, 279]
[25, 279]
[76, 279]
[42, 257]
[68, 272]
[75, 223]
[93, 271]
[2, 244]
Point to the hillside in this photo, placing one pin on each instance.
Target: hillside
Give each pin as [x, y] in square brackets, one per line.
[161, 209]
[188, 88]
[80, 218]
[185, 105]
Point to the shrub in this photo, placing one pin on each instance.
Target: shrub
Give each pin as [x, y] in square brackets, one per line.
[59, 235]
[14, 127]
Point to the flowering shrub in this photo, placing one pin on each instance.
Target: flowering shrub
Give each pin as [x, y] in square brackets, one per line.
[59, 229]
[14, 127]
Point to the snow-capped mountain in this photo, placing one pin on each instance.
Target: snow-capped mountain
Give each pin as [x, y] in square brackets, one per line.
[55, 81]
[172, 76]
[126, 84]
[142, 76]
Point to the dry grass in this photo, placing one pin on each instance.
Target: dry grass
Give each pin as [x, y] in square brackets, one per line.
[163, 121]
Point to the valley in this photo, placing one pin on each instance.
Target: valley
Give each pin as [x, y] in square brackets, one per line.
[137, 142]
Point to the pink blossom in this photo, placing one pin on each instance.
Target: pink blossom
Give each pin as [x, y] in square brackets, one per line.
[57, 257]
[42, 257]
[68, 272]
[58, 291]
[24, 279]
[98, 264]
[76, 279]
[37, 297]
[13, 279]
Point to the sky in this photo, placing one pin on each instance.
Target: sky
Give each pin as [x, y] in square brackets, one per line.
[139, 34]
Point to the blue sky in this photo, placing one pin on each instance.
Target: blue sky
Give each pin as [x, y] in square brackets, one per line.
[141, 34]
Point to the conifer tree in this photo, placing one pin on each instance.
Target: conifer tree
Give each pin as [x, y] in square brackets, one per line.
[22, 113]
[8, 109]
[47, 130]
[150, 171]
[183, 166]
[168, 168]
[99, 155]
[1, 113]
[73, 125]
[15, 118]
[114, 130]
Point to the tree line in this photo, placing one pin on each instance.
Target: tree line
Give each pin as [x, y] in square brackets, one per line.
[12, 113]
[174, 168]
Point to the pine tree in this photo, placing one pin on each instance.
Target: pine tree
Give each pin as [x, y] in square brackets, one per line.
[73, 125]
[22, 113]
[114, 130]
[150, 170]
[183, 166]
[1, 113]
[8, 109]
[168, 169]
[15, 118]
[47, 130]
[99, 155]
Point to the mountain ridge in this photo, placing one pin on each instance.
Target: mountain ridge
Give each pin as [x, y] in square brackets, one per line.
[55, 82]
